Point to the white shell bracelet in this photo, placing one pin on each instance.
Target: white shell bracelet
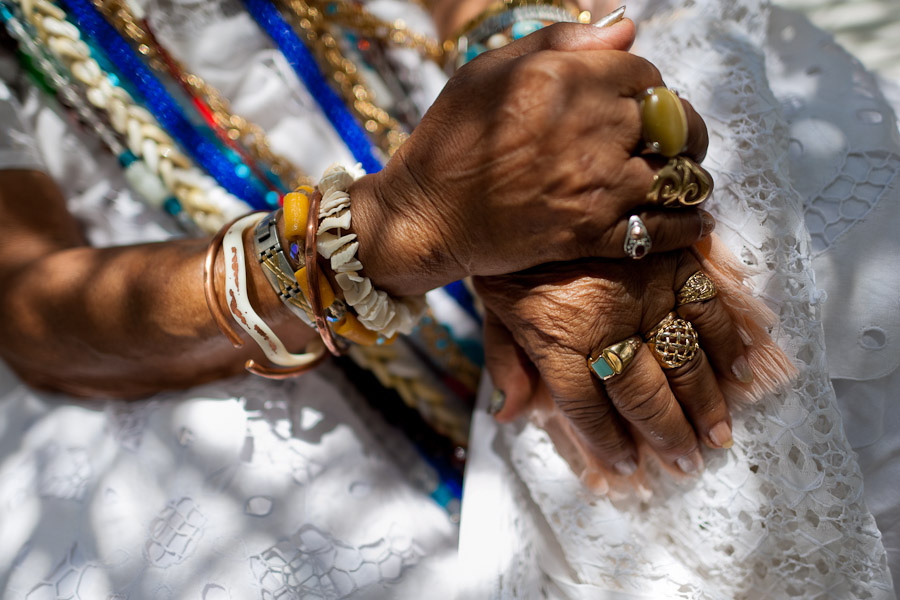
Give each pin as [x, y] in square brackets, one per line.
[377, 310]
[243, 312]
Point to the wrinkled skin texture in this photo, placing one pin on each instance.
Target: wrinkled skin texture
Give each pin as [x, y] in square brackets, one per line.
[532, 154]
[544, 322]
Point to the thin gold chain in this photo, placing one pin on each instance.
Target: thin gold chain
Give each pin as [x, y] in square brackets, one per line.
[314, 29]
[237, 128]
[396, 33]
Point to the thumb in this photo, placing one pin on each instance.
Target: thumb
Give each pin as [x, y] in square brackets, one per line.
[573, 37]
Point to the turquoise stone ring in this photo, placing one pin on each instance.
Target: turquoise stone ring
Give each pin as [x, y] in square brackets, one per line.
[614, 359]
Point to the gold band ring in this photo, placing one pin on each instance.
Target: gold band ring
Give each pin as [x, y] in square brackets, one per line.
[682, 182]
[674, 341]
[698, 288]
[614, 359]
[664, 124]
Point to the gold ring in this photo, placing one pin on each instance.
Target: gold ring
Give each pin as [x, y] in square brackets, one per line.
[682, 182]
[614, 359]
[698, 288]
[664, 124]
[674, 341]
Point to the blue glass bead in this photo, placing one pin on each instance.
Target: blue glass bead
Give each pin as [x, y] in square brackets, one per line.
[522, 28]
[127, 158]
[442, 495]
[272, 198]
[159, 101]
[172, 205]
[294, 251]
[242, 171]
[475, 50]
[114, 79]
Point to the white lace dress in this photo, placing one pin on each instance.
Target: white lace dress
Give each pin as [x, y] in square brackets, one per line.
[805, 153]
[243, 489]
[256, 489]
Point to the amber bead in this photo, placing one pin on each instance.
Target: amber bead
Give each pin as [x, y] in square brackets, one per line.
[296, 212]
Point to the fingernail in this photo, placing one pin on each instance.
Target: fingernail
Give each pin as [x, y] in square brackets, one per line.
[691, 463]
[707, 223]
[610, 19]
[626, 467]
[720, 435]
[741, 370]
[495, 404]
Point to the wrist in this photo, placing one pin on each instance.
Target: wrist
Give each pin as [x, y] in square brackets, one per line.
[400, 245]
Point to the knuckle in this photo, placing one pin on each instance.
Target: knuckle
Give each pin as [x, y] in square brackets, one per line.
[609, 447]
[649, 71]
[646, 401]
[558, 36]
[676, 229]
[586, 415]
[678, 441]
[709, 315]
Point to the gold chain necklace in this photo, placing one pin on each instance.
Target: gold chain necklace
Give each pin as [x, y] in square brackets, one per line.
[396, 33]
[311, 25]
[250, 135]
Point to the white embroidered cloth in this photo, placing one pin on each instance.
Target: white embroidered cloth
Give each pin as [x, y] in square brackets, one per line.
[254, 489]
[805, 153]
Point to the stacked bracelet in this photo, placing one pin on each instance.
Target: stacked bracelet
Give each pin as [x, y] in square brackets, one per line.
[301, 225]
[286, 364]
[377, 311]
[504, 22]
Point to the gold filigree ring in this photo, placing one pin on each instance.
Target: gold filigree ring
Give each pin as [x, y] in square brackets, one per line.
[614, 359]
[698, 288]
[682, 182]
[674, 341]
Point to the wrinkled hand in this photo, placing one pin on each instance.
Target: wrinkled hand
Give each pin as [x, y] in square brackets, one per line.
[532, 153]
[543, 323]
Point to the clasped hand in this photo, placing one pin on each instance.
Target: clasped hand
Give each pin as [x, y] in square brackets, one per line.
[528, 165]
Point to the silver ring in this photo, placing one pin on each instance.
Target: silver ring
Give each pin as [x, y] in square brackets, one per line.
[637, 239]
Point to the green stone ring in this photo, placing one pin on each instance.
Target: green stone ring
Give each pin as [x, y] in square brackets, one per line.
[664, 121]
[614, 359]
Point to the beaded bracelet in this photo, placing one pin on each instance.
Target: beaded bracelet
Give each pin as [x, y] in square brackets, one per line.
[504, 22]
[294, 286]
[377, 310]
[287, 364]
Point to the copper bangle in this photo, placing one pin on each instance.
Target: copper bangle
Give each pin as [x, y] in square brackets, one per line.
[312, 275]
[281, 373]
[225, 324]
[209, 288]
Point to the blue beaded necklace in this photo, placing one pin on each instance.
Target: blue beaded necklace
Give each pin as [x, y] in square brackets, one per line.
[223, 165]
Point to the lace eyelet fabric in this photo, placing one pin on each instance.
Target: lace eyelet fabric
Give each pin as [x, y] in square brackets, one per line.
[782, 514]
[241, 489]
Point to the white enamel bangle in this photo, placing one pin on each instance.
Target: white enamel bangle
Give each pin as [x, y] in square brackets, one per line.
[241, 309]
